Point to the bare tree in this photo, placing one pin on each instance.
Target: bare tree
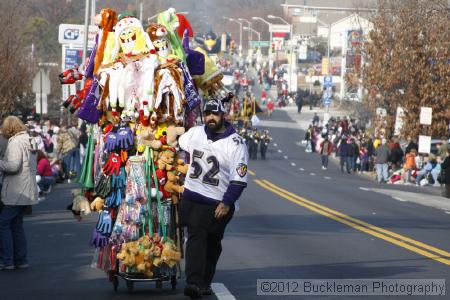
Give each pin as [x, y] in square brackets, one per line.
[408, 64]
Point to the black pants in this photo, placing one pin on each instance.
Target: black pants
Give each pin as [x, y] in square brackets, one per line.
[263, 149]
[204, 246]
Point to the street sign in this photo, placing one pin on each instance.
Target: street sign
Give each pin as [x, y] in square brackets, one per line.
[278, 43]
[259, 43]
[426, 114]
[303, 52]
[41, 99]
[424, 144]
[280, 28]
[73, 56]
[327, 81]
[74, 34]
[41, 83]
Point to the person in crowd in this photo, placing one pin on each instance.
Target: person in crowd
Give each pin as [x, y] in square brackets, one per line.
[396, 157]
[365, 158]
[67, 150]
[326, 148]
[445, 169]
[412, 144]
[270, 107]
[314, 138]
[308, 136]
[264, 143]
[44, 170]
[443, 147]
[409, 166]
[381, 161]
[48, 142]
[83, 141]
[19, 193]
[353, 154]
[343, 155]
[299, 102]
[315, 120]
[427, 170]
[3, 145]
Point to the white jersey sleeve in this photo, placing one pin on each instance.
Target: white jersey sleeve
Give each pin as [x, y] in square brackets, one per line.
[185, 138]
[239, 161]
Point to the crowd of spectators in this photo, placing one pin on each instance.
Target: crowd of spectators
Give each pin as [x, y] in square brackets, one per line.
[60, 150]
[393, 161]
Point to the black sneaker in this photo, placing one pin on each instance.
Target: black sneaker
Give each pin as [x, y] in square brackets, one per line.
[192, 291]
[206, 291]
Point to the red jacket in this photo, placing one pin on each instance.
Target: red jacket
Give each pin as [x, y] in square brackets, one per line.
[326, 151]
[44, 169]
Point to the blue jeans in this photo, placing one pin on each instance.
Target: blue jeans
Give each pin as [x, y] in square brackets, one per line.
[45, 183]
[382, 172]
[14, 243]
[71, 162]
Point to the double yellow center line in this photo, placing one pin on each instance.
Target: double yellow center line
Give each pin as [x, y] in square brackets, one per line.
[431, 252]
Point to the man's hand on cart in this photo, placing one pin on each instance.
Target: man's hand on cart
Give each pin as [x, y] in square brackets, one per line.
[221, 210]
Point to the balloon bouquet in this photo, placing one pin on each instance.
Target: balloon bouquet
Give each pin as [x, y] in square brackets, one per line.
[142, 89]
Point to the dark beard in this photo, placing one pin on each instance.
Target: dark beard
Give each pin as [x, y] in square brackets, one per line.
[213, 126]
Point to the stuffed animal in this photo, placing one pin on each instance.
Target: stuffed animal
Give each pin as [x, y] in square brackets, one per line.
[97, 204]
[130, 38]
[159, 36]
[81, 204]
[170, 21]
[105, 20]
[172, 185]
[166, 160]
[170, 255]
[173, 132]
[181, 167]
[146, 137]
[169, 94]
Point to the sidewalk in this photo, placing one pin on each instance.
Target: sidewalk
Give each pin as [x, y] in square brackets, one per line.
[426, 195]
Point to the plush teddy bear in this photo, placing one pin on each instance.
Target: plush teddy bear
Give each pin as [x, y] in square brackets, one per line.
[173, 132]
[166, 160]
[97, 204]
[170, 255]
[172, 185]
[146, 137]
[181, 167]
[81, 204]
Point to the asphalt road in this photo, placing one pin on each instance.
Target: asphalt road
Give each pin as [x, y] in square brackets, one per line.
[276, 237]
[279, 232]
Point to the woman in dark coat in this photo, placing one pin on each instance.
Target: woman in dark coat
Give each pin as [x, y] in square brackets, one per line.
[445, 168]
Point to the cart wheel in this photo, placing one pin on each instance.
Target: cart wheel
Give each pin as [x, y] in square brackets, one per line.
[173, 282]
[130, 286]
[115, 282]
[159, 284]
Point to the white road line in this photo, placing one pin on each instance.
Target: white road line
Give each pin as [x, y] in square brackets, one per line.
[327, 178]
[447, 212]
[293, 164]
[364, 189]
[312, 174]
[280, 151]
[285, 157]
[221, 291]
[301, 169]
[399, 199]
[275, 145]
